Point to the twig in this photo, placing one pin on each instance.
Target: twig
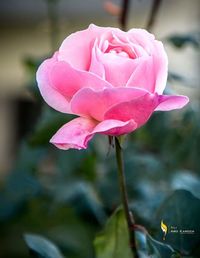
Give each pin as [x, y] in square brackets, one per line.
[153, 13]
[124, 14]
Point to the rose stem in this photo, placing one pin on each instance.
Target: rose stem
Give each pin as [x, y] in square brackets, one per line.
[124, 14]
[124, 195]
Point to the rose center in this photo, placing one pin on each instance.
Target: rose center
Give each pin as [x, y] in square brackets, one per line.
[119, 52]
[122, 51]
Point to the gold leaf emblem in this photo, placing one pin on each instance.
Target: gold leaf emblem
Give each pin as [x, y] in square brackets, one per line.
[164, 229]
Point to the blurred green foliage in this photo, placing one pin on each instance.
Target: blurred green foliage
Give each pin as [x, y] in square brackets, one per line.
[63, 198]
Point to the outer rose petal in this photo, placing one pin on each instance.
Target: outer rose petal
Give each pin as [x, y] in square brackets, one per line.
[74, 134]
[79, 131]
[76, 49]
[115, 127]
[139, 109]
[68, 80]
[51, 95]
[159, 65]
[90, 103]
[167, 103]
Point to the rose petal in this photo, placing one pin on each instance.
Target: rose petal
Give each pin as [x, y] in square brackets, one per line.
[168, 103]
[68, 80]
[141, 37]
[51, 95]
[77, 133]
[133, 50]
[74, 134]
[118, 69]
[76, 49]
[139, 109]
[91, 103]
[159, 65]
[115, 127]
[96, 66]
[144, 75]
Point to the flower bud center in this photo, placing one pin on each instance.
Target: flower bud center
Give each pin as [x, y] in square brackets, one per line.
[119, 51]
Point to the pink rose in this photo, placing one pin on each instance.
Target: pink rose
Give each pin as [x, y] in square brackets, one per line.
[112, 80]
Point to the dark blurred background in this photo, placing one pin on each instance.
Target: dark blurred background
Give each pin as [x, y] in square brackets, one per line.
[64, 195]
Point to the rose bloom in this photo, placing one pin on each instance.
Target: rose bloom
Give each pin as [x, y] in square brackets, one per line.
[111, 79]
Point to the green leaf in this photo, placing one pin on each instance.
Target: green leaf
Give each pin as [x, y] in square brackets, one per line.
[148, 247]
[180, 41]
[187, 180]
[180, 212]
[163, 250]
[113, 241]
[41, 247]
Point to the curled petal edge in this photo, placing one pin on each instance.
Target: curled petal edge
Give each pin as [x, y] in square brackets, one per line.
[171, 102]
[77, 133]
